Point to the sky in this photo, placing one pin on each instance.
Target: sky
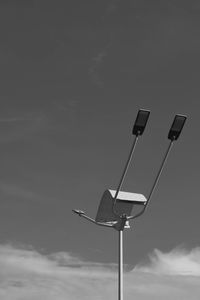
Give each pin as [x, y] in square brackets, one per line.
[73, 76]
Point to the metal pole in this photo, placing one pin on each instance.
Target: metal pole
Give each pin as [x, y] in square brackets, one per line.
[120, 266]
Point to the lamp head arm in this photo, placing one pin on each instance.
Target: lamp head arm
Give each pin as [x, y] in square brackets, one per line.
[83, 215]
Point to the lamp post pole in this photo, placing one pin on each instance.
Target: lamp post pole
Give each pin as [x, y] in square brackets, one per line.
[120, 230]
[120, 266]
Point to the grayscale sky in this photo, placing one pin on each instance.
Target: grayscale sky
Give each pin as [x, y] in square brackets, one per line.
[73, 76]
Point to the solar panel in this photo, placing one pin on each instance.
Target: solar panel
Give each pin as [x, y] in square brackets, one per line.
[124, 205]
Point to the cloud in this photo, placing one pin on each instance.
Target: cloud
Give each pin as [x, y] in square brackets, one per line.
[111, 7]
[97, 62]
[26, 274]
[19, 191]
[177, 262]
[17, 127]
[30, 275]
[98, 59]
[12, 120]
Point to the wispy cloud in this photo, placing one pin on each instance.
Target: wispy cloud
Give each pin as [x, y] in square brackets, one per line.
[97, 62]
[111, 7]
[26, 274]
[18, 191]
[12, 120]
[29, 275]
[19, 126]
[177, 262]
[99, 58]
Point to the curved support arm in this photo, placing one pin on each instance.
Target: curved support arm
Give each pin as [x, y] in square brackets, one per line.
[124, 174]
[155, 182]
[83, 215]
[159, 172]
[97, 223]
[138, 214]
[88, 218]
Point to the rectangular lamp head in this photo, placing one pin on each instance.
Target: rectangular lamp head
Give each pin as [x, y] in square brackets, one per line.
[124, 204]
[140, 122]
[176, 127]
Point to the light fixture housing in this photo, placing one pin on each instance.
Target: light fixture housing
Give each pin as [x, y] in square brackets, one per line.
[140, 122]
[124, 205]
[176, 127]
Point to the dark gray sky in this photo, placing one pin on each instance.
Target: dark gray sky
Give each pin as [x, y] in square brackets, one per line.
[73, 76]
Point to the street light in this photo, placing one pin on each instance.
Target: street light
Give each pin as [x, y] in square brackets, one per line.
[115, 208]
[176, 127]
[141, 121]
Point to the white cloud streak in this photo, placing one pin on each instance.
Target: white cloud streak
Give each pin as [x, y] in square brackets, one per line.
[19, 191]
[29, 275]
[111, 7]
[14, 128]
[177, 262]
[12, 120]
[26, 274]
[98, 60]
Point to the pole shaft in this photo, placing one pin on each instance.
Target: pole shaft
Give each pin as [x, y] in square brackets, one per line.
[120, 266]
